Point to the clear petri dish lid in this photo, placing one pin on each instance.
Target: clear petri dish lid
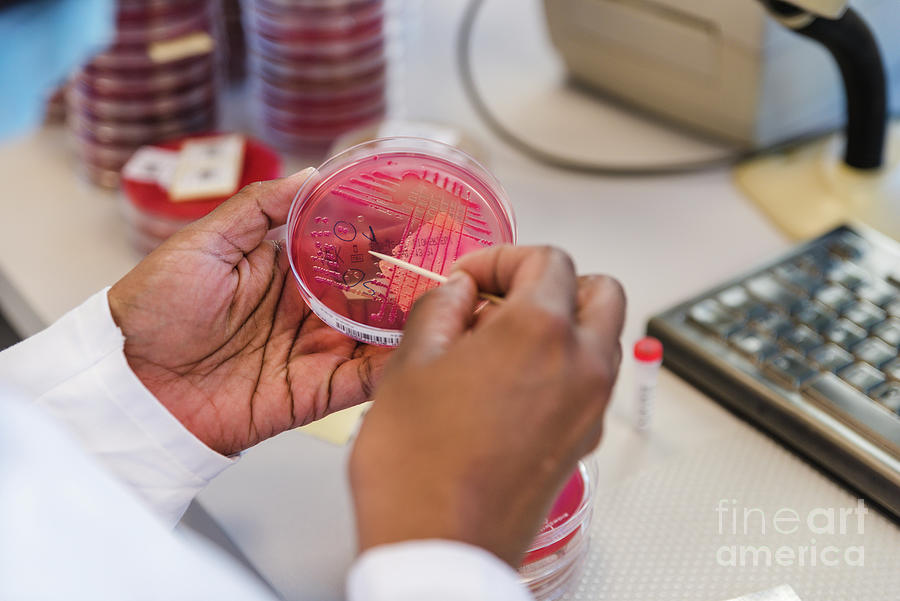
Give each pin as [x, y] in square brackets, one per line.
[311, 73]
[153, 107]
[97, 82]
[146, 132]
[142, 10]
[329, 52]
[325, 116]
[312, 5]
[312, 139]
[300, 98]
[571, 512]
[310, 26]
[417, 200]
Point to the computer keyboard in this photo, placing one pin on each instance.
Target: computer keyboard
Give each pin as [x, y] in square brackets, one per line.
[807, 348]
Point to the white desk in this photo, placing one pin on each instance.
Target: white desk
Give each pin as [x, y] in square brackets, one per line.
[286, 503]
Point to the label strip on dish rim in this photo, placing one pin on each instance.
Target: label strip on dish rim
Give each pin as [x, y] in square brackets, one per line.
[360, 332]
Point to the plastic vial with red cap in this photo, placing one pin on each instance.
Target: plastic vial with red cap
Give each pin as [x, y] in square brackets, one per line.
[648, 356]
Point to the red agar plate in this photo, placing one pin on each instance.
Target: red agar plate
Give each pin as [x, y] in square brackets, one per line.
[418, 200]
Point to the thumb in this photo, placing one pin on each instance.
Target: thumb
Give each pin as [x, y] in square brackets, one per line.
[438, 318]
[242, 222]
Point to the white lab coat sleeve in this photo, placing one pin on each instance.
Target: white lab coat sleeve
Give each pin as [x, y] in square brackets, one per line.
[76, 370]
[71, 531]
[437, 570]
[63, 516]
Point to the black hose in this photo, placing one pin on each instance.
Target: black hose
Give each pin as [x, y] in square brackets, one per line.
[856, 52]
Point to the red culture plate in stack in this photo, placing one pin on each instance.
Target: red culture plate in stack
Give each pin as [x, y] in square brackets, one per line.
[296, 26]
[146, 132]
[98, 83]
[153, 216]
[339, 99]
[162, 106]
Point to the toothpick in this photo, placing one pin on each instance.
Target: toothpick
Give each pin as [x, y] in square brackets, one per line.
[428, 274]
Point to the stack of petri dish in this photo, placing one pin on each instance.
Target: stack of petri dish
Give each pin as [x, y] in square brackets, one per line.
[318, 69]
[234, 33]
[159, 80]
[554, 562]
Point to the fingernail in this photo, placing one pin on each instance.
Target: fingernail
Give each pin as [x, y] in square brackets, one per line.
[304, 173]
[457, 277]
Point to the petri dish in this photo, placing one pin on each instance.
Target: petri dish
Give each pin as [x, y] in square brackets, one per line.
[290, 24]
[415, 199]
[149, 107]
[138, 133]
[301, 98]
[304, 52]
[153, 216]
[107, 84]
[555, 558]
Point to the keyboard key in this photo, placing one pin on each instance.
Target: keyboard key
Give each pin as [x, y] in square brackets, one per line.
[753, 344]
[875, 352]
[877, 293]
[817, 261]
[835, 394]
[803, 340]
[865, 314]
[712, 317]
[862, 376]
[737, 300]
[848, 246]
[814, 315]
[889, 331]
[844, 333]
[789, 369]
[835, 297]
[773, 324]
[888, 394]
[798, 279]
[892, 369]
[847, 276]
[831, 357]
[893, 308]
[768, 289]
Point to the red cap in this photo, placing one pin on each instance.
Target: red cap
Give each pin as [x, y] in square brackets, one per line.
[648, 349]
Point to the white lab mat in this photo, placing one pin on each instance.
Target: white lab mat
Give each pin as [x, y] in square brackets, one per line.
[657, 536]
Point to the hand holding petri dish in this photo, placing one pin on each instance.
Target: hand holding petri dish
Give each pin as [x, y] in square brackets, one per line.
[414, 199]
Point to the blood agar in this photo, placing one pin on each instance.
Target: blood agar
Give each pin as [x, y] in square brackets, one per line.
[319, 53]
[153, 216]
[418, 200]
[556, 556]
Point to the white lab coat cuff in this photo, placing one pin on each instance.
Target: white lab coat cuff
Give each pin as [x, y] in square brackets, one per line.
[437, 570]
[76, 369]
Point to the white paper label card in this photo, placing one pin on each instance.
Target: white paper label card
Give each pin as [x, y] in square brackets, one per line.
[192, 44]
[208, 168]
[151, 165]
